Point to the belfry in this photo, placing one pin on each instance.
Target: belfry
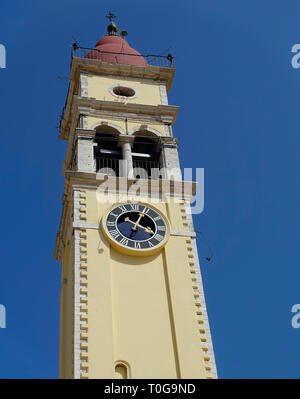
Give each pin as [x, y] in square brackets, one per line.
[132, 302]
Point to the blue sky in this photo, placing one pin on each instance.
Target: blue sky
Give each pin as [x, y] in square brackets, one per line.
[239, 103]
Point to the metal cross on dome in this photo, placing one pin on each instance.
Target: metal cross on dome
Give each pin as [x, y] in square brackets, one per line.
[111, 16]
[112, 28]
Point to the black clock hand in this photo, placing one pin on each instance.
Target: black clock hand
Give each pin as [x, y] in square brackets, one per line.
[136, 225]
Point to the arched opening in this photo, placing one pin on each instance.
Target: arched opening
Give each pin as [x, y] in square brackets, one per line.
[106, 151]
[122, 371]
[146, 154]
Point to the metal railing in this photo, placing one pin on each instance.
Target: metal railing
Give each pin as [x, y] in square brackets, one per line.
[141, 169]
[146, 169]
[122, 58]
[108, 166]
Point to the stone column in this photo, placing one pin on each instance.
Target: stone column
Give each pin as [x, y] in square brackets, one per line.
[126, 144]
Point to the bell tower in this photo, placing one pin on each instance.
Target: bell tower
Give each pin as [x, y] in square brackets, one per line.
[132, 302]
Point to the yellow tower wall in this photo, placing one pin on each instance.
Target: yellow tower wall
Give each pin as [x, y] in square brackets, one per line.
[141, 311]
[147, 91]
[66, 315]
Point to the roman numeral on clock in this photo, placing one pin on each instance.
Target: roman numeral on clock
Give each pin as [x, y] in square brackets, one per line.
[124, 241]
[135, 207]
[159, 237]
[114, 233]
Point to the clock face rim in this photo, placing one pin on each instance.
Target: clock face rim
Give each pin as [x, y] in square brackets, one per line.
[135, 251]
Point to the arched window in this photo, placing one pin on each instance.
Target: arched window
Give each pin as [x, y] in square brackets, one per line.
[146, 153]
[122, 370]
[106, 150]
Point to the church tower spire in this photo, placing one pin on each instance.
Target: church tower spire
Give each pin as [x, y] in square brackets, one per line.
[132, 302]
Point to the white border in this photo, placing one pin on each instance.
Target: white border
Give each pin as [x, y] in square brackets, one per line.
[111, 90]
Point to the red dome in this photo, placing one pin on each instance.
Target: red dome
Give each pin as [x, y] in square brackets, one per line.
[115, 50]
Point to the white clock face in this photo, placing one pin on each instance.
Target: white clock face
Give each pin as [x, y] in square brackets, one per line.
[136, 227]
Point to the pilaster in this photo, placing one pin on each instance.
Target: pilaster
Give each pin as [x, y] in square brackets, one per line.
[85, 153]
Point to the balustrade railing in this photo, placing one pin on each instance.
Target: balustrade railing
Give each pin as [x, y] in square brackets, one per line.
[123, 58]
[146, 169]
[141, 169]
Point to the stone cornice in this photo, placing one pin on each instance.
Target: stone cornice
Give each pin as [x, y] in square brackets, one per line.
[90, 134]
[171, 188]
[130, 108]
[143, 72]
[165, 114]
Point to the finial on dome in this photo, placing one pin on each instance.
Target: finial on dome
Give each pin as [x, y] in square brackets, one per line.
[112, 28]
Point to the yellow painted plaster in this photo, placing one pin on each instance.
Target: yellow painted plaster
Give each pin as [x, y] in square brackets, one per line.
[140, 310]
[66, 317]
[120, 125]
[147, 90]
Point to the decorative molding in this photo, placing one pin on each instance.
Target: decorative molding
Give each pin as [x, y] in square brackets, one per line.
[200, 305]
[85, 105]
[83, 225]
[80, 290]
[111, 90]
[168, 113]
[122, 115]
[154, 73]
[137, 129]
[104, 123]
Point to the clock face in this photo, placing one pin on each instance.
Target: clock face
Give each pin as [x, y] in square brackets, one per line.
[138, 228]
